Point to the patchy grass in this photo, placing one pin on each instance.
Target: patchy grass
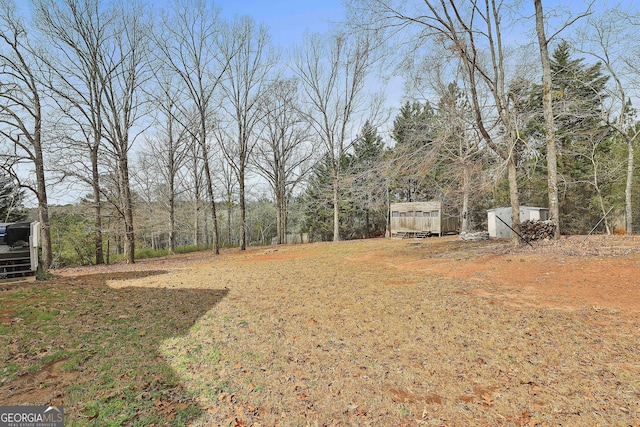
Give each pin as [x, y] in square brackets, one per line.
[145, 253]
[323, 334]
[94, 349]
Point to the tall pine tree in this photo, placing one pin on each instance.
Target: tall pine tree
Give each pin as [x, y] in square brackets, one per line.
[368, 186]
[578, 92]
[583, 142]
[414, 131]
[363, 195]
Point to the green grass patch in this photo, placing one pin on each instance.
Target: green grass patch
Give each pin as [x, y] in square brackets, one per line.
[145, 253]
[108, 341]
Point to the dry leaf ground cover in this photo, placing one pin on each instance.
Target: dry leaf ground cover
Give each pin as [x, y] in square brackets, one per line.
[374, 332]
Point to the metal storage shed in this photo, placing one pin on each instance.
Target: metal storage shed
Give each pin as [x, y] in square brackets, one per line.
[498, 229]
[420, 219]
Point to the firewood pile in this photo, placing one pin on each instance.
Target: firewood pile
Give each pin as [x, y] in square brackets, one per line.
[537, 230]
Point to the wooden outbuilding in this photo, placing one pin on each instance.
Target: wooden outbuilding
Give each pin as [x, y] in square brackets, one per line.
[421, 219]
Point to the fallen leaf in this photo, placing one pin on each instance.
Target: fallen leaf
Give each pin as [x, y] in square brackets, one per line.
[525, 418]
[487, 399]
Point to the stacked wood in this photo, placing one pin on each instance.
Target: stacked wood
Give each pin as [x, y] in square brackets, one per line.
[537, 230]
[474, 237]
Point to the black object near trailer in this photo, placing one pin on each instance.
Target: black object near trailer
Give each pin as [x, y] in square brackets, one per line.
[18, 250]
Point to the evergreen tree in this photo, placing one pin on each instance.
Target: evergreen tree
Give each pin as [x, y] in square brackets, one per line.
[318, 201]
[368, 149]
[414, 125]
[363, 195]
[368, 188]
[584, 144]
[414, 130]
[578, 93]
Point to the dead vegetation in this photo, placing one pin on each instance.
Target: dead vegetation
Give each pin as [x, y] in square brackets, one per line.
[381, 332]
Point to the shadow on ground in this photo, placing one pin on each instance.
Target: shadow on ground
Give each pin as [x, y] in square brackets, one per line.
[78, 343]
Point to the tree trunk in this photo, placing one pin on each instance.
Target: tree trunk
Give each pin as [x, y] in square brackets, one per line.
[45, 231]
[464, 223]
[367, 234]
[196, 202]
[214, 217]
[281, 223]
[196, 221]
[207, 172]
[229, 213]
[97, 206]
[43, 204]
[129, 243]
[283, 220]
[212, 202]
[336, 206]
[629, 187]
[243, 211]
[172, 219]
[513, 196]
[602, 207]
[552, 162]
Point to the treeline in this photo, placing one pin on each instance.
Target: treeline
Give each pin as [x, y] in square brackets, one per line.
[185, 129]
[550, 123]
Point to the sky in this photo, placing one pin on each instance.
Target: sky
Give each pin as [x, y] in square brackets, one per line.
[287, 19]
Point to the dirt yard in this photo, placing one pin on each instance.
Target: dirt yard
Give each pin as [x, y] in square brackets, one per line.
[408, 332]
[570, 273]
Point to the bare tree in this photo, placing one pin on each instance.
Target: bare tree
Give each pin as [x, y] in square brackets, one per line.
[187, 45]
[604, 169]
[150, 194]
[194, 182]
[472, 34]
[552, 162]
[547, 107]
[332, 72]
[610, 39]
[76, 32]
[228, 181]
[245, 48]
[169, 148]
[284, 152]
[125, 71]
[459, 142]
[21, 115]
